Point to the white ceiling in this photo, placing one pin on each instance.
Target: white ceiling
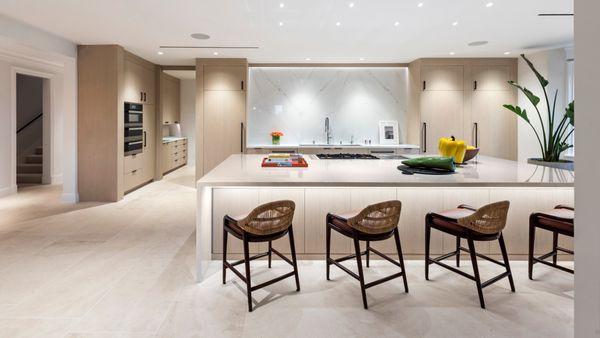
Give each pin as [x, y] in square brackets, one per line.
[309, 27]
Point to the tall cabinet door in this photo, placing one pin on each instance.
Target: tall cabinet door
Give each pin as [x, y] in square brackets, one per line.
[492, 127]
[149, 139]
[224, 116]
[225, 78]
[442, 103]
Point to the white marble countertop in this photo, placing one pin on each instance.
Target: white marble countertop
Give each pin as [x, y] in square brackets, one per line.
[245, 170]
[333, 145]
[167, 139]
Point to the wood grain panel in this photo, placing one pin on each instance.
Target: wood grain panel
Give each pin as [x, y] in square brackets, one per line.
[318, 203]
[233, 202]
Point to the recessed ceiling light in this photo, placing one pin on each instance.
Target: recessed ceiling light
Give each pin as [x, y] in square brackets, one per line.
[452, 53]
[216, 53]
[478, 43]
[420, 4]
[338, 23]
[396, 23]
[455, 23]
[362, 59]
[160, 53]
[281, 5]
[200, 36]
[307, 59]
[489, 4]
[351, 4]
[280, 23]
[506, 53]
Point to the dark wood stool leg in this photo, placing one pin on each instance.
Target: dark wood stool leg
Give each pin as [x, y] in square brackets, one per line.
[224, 255]
[427, 238]
[270, 246]
[476, 272]
[328, 249]
[248, 280]
[400, 258]
[457, 251]
[554, 246]
[506, 262]
[368, 246]
[293, 250]
[531, 246]
[360, 272]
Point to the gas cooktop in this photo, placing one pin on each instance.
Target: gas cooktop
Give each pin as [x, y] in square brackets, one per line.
[347, 157]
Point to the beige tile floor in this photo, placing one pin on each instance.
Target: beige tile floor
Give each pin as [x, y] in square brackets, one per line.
[126, 269]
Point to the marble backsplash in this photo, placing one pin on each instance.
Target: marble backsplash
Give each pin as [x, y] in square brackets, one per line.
[296, 101]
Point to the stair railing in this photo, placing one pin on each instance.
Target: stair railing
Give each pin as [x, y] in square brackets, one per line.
[29, 123]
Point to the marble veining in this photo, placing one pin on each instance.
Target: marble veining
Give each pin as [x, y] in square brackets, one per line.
[297, 100]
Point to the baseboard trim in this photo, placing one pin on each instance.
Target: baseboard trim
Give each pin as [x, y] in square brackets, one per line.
[8, 191]
[69, 197]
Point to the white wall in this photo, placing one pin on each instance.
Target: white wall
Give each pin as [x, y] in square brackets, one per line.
[552, 65]
[587, 183]
[188, 116]
[24, 49]
[296, 101]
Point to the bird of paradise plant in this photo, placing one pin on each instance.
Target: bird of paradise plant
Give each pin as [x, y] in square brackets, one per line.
[553, 138]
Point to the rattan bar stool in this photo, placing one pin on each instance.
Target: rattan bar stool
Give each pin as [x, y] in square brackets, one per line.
[376, 222]
[266, 223]
[483, 224]
[557, 221]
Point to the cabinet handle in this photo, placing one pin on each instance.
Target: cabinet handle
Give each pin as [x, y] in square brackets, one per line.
[424, 85]
[424, 137]
[141, 96]
[241, 137]
[242, 83]
[134, 171]
[144, 139]
[476, 127]
[166, 122]
[474, 85]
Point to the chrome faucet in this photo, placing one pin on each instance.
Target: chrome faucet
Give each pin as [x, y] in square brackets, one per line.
[328, 130]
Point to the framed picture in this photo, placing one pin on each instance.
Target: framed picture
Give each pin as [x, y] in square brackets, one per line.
[388, 132]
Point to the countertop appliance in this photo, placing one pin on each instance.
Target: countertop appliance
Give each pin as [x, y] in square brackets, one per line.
[345, 156]
[134, 134]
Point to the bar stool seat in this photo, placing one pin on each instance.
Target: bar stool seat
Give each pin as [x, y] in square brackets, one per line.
[483, 224]
[265, 223]
[376, 222]
[559, 221]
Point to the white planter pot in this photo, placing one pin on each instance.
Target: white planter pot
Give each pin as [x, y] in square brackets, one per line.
[563, 164]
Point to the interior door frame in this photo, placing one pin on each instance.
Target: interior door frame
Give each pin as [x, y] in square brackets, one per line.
[49, 107]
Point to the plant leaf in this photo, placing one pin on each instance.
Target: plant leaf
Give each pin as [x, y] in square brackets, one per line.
[542, 80]
[570, 113]
[534, 99]
[517, 110]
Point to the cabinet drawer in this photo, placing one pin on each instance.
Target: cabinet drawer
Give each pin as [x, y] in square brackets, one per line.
[132, 179]
[133, 162]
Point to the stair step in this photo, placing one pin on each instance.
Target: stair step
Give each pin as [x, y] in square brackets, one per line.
[39, 150]
[33, 158]
[29, 168]
[29, 178]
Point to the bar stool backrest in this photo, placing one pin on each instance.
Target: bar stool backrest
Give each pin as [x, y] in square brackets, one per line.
[489, 219]
[269, 218]
[377, 218]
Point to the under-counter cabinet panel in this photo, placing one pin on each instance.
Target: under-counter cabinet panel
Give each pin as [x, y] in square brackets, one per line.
[232, 202]
[319, 202]
[133, 171]
[174, 154]
[297, 196]
[416, 204]
[360, 198]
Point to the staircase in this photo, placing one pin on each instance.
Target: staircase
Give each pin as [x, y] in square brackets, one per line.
[30, 172]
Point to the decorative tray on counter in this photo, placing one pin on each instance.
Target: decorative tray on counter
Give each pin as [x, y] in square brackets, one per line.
[284, 161]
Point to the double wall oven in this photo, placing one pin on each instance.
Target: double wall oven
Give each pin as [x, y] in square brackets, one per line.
[134, 129]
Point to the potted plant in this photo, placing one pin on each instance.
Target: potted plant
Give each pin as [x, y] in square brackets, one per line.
[553, 137]
[276, 136]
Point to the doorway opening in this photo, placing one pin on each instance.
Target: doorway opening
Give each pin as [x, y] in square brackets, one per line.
[30, 130]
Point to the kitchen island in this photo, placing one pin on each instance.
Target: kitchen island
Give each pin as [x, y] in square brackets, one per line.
[239, 184]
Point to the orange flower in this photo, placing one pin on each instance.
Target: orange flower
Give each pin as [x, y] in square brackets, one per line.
[276, 134]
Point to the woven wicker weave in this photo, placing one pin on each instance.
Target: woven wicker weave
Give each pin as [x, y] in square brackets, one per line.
[377, 218]
[269, 218]
[489, 219]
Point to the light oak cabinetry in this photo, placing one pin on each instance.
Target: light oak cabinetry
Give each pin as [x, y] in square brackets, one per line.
[221, 110]
[174, 154]
[109, 76]
[464, 98]
[170, 98]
